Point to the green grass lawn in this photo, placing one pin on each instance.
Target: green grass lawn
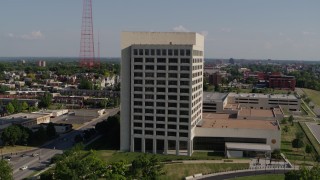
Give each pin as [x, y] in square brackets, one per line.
[15, 149]
[179, 171]
[293, 154]
[263, 177]
[313, 95]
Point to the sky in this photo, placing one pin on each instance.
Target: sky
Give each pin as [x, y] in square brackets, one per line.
[241, 29]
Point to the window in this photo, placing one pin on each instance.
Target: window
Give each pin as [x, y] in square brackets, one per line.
[161, 89]
[172, 111]
[136, 81]
[149, 89]
[138, 67]
[146, 52]
[184, 60]
[173, 68]
[150, 111]
[149, 60]
[182, 90]
[138, 96]
[171, 97]
[138, 60]
[176, 52]
[158, 52]
[184, 97]
[148, 103]
[161, 104]
[173, 75]
[161, 97]
[135, 52]
[137, 124]
[149, 75]
[184, 75]
[170, 52]
[137, 88]
[173, 83]
[185, 68]
[148, 132]
[137, 110]
[152, 52]
[137, 131]
[160, 133]
[172, 133]
[184, 112]
[160, 111]
[137, 117]
[184, 105]
[160, 119]
[140, 52]
[161, 67]
[183, 127]
[183, 134]
[160, 126]
[184, 120]
[148, 118]
[181, 52]
[184, 83]
[138, 74]
[171, 126]
[149, 96]
[188, 52]
[172, 104]
[164, 52]
[137, 103]
[161, 60]
[149, 67]
[149, 125]
[172, 90]
[173, 60]
[172, 119]
[149, 82]
[161, 82]
[161, 75]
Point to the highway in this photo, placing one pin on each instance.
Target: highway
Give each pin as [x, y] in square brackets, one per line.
[47, 151]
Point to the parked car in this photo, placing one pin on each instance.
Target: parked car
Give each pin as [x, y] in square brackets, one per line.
[8, 158]
[24, 168]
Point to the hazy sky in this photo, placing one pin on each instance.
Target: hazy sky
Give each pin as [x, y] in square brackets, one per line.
[253, 29]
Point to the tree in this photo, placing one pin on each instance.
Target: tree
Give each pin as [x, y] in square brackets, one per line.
[290, 119]
[51, 131]
[85, 84]
[145, 167]
[308, 149]
[6, 170]
[24, 106]
[40, 135]
[284, 121]
[304, 174]
[299, 135]
[11, 135]
[276, 154]
[286, 129]
[110, 128]
[307, 100]
[297, 143]
[45, 100]
[117, 170]
[10, 108]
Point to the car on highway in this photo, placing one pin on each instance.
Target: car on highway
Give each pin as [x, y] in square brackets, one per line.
[8, 158]
[35, 154]
[23, 155]
[24, 168]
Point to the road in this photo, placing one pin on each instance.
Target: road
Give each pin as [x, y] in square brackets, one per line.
[47, 151]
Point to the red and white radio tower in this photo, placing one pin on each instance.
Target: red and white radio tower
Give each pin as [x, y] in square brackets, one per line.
[87, 57]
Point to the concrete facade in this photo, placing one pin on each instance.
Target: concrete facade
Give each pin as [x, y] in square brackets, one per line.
[161, 91]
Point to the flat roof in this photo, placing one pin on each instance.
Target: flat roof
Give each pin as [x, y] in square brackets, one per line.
[214, 120]
[256, 112]
[259, 95]
[20, 117]
[248, 146]
[211, 96]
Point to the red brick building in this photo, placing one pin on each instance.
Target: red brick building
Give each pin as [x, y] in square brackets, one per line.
[282, 82]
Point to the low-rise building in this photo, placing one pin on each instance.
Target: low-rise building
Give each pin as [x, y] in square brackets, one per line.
[25, 119]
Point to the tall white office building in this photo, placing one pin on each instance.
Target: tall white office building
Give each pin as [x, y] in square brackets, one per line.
[161, 91]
